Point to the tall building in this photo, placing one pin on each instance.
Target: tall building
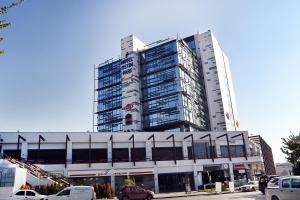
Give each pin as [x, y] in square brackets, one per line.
[170, 85]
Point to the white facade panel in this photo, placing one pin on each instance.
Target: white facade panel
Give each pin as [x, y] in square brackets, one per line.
[218, 82]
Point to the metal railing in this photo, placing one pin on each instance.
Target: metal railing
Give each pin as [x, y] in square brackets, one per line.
[35, 170]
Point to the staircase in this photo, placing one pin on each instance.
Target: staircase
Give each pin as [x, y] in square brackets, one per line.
[37, 171]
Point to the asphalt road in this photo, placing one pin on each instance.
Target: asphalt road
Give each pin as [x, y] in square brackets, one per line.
[237, 196]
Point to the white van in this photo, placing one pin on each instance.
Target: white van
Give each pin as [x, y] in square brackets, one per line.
[74, 193]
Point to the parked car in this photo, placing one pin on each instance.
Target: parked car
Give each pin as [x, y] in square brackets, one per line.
[74, 193]
[135, 192]
[288, 189]
[263, 182]
[27, 194]
[251, 186]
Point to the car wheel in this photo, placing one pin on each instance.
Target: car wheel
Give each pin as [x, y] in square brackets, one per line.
[149, 197]
[274, 198]
[253, 189]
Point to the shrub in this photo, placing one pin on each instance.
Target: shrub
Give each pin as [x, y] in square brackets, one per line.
[103, 191]
[25, 187]
[129, 181]
[49, 189]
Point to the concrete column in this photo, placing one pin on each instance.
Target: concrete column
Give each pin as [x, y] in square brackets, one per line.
[129, 154]
[200, 180]
[231, 172]
[218, 149]
[69, 152]
[156, 185]
[109, 152]
[112, 183]
[196, 181]
[185, 150]
[251, 173]
[148, 150]
[24, 150]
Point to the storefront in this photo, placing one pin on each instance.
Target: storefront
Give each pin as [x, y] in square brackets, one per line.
[90, 180]
[215, 173]
[241, 173]
[175, 182]
[145, 181]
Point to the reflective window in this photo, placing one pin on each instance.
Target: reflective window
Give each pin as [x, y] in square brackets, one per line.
[64, 193]
[159, 51]
[295, 183]
[20, 193]
[139, 154]
[30, 193]
[47, 156]
[235, 151]
[120, 154]
[167, 153]
[82, 155]
[7, 177]
[202, 150]
[286, 183]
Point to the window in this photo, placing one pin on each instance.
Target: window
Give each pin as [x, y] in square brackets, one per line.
[120, 155]
[7, 178]
[139, 154]
[235, 151]
[295, 183]
[20, 193]
[202, 150]
[30, 193]
[286, 183]
[64, 193]
[47, 156]
[81, 155]
[128, 119]
[167, 153]
[12, 153]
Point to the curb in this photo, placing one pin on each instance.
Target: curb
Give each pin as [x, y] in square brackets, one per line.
[195, 194]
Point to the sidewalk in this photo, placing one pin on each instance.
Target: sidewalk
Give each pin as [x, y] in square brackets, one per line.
[183, 194]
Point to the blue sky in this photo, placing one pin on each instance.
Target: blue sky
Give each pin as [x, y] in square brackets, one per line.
[46, 74]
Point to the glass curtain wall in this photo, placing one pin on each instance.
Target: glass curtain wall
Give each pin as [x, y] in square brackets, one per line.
[160, 87]
[109, 97]
[192, 88]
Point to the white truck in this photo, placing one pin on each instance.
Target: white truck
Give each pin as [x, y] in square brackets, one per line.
[288, 188]
[74, 193]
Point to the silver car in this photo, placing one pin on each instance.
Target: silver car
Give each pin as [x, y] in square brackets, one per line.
[288, 189]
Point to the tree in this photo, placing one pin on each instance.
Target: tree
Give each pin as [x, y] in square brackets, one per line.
[292, 151]
[3, 11]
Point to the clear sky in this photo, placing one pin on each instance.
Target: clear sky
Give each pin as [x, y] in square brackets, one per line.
[46, 74]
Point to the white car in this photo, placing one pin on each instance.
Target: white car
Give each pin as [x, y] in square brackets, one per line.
[26, 194]
[251, 186]
[74, 193]
[288, 188]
